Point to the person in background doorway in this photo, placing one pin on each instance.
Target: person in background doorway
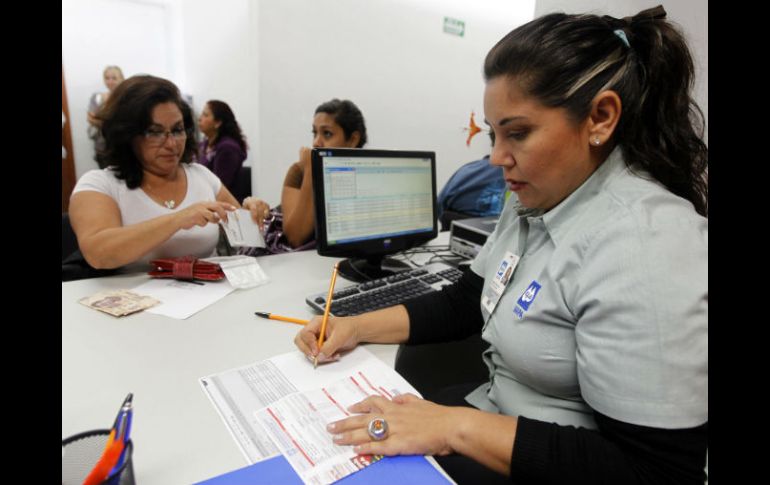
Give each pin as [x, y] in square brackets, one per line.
[113, 76]
[223, 149]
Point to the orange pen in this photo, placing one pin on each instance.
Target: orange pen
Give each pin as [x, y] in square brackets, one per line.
[273, 316]
[107, 461]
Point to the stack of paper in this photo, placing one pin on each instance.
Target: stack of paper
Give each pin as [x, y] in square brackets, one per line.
[281, 405]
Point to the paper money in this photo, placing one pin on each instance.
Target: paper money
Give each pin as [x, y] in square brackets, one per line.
[118, 302]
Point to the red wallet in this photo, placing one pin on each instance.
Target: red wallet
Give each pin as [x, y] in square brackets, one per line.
[186, 268]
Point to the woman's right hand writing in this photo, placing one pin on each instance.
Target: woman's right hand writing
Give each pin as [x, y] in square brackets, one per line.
[341, 335]
[202, 213]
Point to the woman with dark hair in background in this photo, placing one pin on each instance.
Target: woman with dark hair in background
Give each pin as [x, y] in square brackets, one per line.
[336, 124]
[224, 148]
[151, 201]
[598, 357]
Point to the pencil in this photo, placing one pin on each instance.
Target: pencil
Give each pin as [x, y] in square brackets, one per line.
[273, 316]
[326, 312]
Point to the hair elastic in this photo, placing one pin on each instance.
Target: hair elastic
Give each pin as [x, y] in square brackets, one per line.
[622, 36]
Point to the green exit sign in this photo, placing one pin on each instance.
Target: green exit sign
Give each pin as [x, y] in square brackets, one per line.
[454, 26]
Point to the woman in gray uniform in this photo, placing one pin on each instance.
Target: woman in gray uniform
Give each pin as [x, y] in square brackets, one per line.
[598, 357]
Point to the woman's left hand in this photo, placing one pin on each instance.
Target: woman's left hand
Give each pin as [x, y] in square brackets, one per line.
[260, 210]
[415, 426]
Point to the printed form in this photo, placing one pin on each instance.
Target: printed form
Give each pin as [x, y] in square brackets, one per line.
[297, 424]
[282, 405]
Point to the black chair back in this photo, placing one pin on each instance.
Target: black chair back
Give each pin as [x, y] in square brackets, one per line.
[69, 242]
[242, 186]
[73, 265]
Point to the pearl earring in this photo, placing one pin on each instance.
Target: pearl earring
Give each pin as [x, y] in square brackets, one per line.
[597, 141]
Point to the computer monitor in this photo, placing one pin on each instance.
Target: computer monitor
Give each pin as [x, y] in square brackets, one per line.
[370, 204]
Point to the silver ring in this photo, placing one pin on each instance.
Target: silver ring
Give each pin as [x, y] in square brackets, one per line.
[377, 429]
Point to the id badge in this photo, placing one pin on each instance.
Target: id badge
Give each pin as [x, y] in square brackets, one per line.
[499, 281]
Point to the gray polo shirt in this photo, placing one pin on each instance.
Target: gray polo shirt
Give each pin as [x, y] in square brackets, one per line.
[607, 308]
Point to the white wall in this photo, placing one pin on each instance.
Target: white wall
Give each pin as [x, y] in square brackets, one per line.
[221, 59]
[138, 36]
[691, 15]
[415, 84]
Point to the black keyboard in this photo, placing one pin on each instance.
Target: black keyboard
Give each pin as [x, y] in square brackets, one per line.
[388, 291]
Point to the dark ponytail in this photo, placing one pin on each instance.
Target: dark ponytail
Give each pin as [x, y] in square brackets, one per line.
[566, 60]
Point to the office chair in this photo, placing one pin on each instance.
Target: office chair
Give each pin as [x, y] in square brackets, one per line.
[73, 265]
[242, 185]
[69, 242]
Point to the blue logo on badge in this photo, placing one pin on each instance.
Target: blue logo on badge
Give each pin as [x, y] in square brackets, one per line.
[529, 295]
[500, 271]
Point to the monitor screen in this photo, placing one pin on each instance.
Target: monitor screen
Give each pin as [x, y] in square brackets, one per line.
[372, 203]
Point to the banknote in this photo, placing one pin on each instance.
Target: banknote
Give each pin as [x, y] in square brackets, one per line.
[118, 302]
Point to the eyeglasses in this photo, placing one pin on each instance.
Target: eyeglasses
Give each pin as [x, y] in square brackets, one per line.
[159, 137]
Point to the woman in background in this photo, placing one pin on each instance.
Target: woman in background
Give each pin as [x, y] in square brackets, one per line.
[224, 148]
[336, 124]
[112, 77]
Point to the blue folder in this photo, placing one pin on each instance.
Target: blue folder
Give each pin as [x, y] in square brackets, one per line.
[390, 470]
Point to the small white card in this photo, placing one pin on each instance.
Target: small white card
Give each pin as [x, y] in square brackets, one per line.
[241, 230]
[241, 271]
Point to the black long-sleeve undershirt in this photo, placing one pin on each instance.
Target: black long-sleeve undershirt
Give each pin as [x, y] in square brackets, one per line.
[547, 453]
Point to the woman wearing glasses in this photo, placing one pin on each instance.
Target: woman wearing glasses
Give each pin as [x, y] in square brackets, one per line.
[151, 201]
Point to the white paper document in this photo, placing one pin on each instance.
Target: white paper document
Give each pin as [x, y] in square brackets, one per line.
[241, 230]
[181, 299]
[297, 423]
[282, 405]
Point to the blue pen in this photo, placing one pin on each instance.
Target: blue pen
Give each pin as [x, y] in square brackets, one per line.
[123, 430]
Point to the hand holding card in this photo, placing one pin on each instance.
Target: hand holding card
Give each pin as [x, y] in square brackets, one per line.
[241, 230]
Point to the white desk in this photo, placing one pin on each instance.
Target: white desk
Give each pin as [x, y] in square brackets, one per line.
[177, 434]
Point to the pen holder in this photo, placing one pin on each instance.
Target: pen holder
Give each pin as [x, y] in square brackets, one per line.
[79, 454]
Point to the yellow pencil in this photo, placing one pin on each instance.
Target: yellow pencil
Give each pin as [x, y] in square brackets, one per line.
[326, 313]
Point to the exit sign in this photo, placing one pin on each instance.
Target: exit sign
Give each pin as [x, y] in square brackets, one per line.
[454, 26]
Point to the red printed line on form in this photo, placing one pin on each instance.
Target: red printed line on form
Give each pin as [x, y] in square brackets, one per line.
[334, 401]
[370, 385]
[290, 437]
[359, 386]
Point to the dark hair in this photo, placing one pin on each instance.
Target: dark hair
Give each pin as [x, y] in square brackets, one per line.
[566, 60]
[128, 113]
[348, 116]
[229, 127]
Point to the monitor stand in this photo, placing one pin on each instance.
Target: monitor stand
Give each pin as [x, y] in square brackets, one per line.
[367, 269]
